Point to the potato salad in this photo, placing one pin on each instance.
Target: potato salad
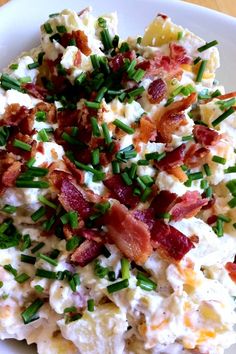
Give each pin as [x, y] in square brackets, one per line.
[117, 191]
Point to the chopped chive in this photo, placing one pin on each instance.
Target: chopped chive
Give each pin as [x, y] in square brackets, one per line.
[169, 101]
[111, 275]
[231, 169]
[70, 309]
[54, 254]
[72, 42]
[133, 170]
[31, 184]
[10, 269]
[27, 259]
[37, 247]
[13, 66]
[70, 139]
[38, 214]
[47, 202]
[141, 184]
[145, 283]
[99, 270]
[226, 104]
[180, 35]
[72, 318]
[43, 273]
[73, 219]
[95, 127]
[124, 47]
[195, 176]
[146, 194]
[136, 192]
[48, 28]
[24, 80]
[93, 105]
[95, 157]
[97, 173]
[125, 265]
[201, 70]
[147, 180]
[164, 216]
[224, 218]
[219, 228]
[139, 40]
[136, 92]
[90, 305]
[33, 65]
[103, 207]
[118, 286]
[64, 219]
[219, 159]
[208, 192]
[115, 167]
[126, 179]
[207, 169]
[30, 313]
[223, 116]
[143, 163]
[31, 161]
[21, 145]
[231, 185]
[54, 15]
[48, 259]
[8, 82]
[106, 133]
[39, 289]
[115, 41]
[155, 156]
[204, 184]
[80, 78]
[74, 281]
[187, 138]
[73, 243]
[100, 94]
[26, 242]
[216, 93]
[40, 116]
[207, 46]
[21, 278]
[95, 60]
[49, 223]
[106, 39]
[102, 22]
[43, 136]
[40, 57]
[232, 203]
[118, 123]
[9, 209]
[177, 91]
[55, 37]
[61, 29]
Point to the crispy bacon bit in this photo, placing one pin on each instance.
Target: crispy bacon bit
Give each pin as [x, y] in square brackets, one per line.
[78, 174]
[82, 42]
[162, 16]
[120, 191]
[194, 238]
[146, 216]
[195, 156]
[178, 173]
[10, 175]
[187, 206]
[205, 136]
[35, 90]
[50, 110]
[118, 61]
[77, 59]
[147, 129]
[227, 95]
[178, 54]
[231, 268]
[172, 159]
[157, 91]
[72, 199]
[163, 202]
[91, 234]
[212, 219]
[170, 242]
[19, 116]
[130, 235]
[86, 252]
[172, 117]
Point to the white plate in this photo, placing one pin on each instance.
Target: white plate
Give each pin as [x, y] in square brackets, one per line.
[19, 28]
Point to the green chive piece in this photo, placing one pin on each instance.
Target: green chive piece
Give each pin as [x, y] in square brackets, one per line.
[21, 145]
[139, 40]
[223, 116]
[61, 29]
[99, 270]
[40, 57]
[155, 156]
[232, 203]
[187, 138]
[26, 242]
[54, 254]
[95, 157]
[195, 176]
[226, 104]
[207, 169]
[13, 66]
[54, 14]
[115, 167]
[115, 41]
[80, 78]
[118, 286]
[169, 101]
[90, 305]
[10, 269]
[39, 289]
[204, 184]
[118, 123]
[47, 259]
[43, 273]
[31, 161]
[8, 82]
[31, 184]
[218, 159]
[224, 218]
[95, 60]
[106, 39]
[94, 105]
[207, 46]
[146, 194]
[231, 169]
[102, 207]
[24, 80]
[70, 309]
[43, 136]
[30, 313]
[102, 22]
[106, 133]
[40, 116]
[33, 65]
[99, 174]
[126, 179]
[145, 283]
[219, 228]
[21, 278]
[38, 214]
[95, 127]
[74, 282]
[73, 219]
[180, 35]
[231, 185]
[125, 265]
[133, 170]
[136, 192]
[48, 28]
[4, 135]
[73, 243]
[1, 284]
[47, 202]
[27, 259]
[136, 92]
[124, 47]
[100, 94]
[208, 192]
[201, 71]
[37, 247]
[147, 180]
[9, 209]
[143, 163]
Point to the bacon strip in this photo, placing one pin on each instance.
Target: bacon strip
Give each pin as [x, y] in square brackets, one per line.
[170, 243]
[157, 91]
[205, 136]
[179, 54]
[86, 252]
[35, 90]
[10, 175]
[120, 191]
[196, 156]
[163, 202]
[172, 159]
[130, 235]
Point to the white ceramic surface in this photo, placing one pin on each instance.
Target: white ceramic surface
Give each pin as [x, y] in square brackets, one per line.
[19, 29]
